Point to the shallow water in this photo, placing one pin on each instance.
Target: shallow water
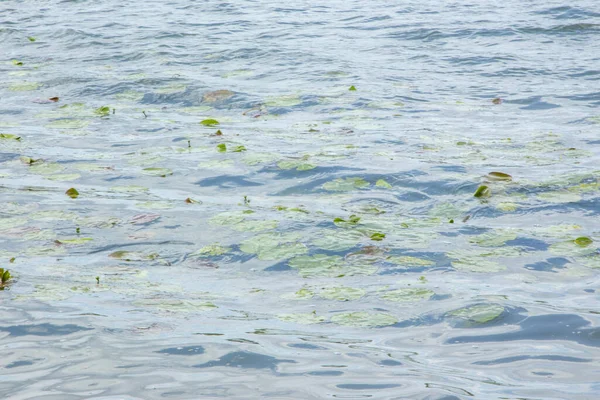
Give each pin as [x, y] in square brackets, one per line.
[270, 281]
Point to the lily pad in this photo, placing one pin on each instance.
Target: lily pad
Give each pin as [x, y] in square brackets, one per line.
[482, 191]
[345, 185]
[337, 239]
[162, 172]
[493, 239]
[408, 295]
[477, 264]
[478, 314]
[409, 261]
[341, 293]
[209, 122]
[305, 319]
[364, 319]
[274, 246]
[382, 183]
[214, 249]
[498, 176]
[72, 193]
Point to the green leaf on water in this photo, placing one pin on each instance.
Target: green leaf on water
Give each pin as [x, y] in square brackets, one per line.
[383, 184]
[378, 236]
[72, 193]
[8, 136]
[300, 318]
[477, 264]
[583, 241]
[102, 111]
[498, 176]
[222, 148]
[477, 315]
[409, 261]
[239, 149]
[74, 241]
[408, 295]
[17, 62]
[162, 172]
[341, 293]
[352, 88]
[482, 191]
[214, 249]
[363, 319]
[274, 246]
[31, 38]
[209, 122]
[345, 185]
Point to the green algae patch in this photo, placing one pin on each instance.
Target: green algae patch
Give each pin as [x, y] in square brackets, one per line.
[363, 319]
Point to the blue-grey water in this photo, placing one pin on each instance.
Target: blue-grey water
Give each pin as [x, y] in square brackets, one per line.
[323, 240]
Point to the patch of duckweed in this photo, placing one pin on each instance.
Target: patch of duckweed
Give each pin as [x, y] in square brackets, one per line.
[363, 319]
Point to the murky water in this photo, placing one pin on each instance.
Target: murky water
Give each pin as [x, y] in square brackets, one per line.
[277, 200]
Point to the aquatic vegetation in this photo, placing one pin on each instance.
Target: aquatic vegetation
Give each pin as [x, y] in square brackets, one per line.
[209, 122]
[5, 278]
[72, 193]
[363, 319]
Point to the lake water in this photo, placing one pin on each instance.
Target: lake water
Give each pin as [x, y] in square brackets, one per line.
[276, 200]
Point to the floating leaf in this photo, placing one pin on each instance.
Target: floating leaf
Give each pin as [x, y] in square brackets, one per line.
[222, 148]
[17, 62]
[408, 295]
[482, 191]
[337, 239]
[217, 95]
[497, 101]
[189, 200]
[477, 315]
[283, 101]
[583, 241]
[72, 193]
[24, 86]
[305, 319]
[238, 149]
[31, 38]
[409, 261]
[383, 184]
[498, 176]
[571, 248]
[364, 319]
[54, 99]
[255, 225]
[352, 88]
[493, 239]
[8, 136]
[378, 236]
[341, 293]
[274, 246]
[162, 172]
[560, 196]
[298, 165]
[476, 264]
[74, 241]
[344, 185]
[102, 111]
[209, 122]
[214, 249]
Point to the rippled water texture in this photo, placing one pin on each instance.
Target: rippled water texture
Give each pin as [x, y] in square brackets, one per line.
[317, 236]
